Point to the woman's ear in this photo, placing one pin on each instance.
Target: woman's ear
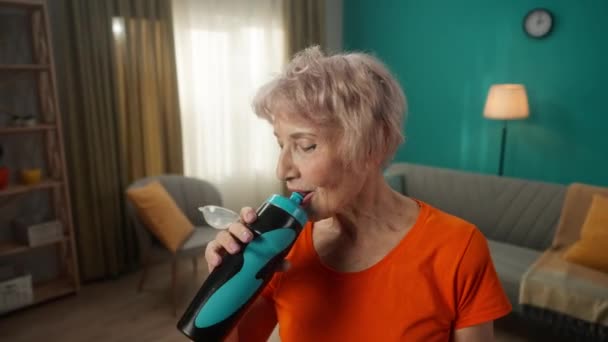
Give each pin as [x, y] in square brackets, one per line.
[370, 165]
[372, 162]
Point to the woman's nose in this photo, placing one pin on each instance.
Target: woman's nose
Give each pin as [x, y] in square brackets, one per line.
[285, 168]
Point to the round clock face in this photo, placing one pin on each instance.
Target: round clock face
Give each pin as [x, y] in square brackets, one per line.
[538, 23]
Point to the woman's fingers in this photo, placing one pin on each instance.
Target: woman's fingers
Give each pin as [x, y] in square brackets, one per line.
[213, 254]
[230, 240]
[224, 243]
[241, 232]
[248, 215]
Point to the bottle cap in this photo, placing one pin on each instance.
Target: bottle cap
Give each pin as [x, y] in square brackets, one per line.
[291, 206]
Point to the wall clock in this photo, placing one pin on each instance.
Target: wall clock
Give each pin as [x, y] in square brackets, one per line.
[538, 23]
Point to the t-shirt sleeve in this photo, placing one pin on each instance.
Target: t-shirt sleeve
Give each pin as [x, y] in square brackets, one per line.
[480, 296]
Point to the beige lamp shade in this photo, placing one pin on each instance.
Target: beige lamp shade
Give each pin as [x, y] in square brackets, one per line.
[506, 102]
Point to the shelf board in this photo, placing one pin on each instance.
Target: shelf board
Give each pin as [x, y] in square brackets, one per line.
[19, 189]
[22, 3]
[24, 67]
[26, 129]
[11, 247]
[52, 289]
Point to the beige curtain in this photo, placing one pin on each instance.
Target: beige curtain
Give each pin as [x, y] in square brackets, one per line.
[119, 98]
[149, 126]
[304, 24]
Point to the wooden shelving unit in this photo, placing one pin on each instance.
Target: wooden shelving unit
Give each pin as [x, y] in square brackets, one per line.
[20, 189]
[11, 247]
[47, 132]
[30, 129]
[24, 67]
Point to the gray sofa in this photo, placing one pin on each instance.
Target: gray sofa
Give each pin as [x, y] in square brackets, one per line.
[518, 217]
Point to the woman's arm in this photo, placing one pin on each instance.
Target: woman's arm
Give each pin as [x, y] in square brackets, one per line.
[257, 323]
[483, 332]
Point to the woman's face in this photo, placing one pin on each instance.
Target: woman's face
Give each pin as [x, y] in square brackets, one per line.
[309, 161]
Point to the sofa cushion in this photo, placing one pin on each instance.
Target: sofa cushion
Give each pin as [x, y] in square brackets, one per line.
[511, 262]
[591, 250]
[573, 214]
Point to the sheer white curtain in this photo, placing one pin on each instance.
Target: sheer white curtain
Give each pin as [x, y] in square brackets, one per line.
[225, 50]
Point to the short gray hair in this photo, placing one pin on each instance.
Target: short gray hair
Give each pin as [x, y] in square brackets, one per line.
[354, 92]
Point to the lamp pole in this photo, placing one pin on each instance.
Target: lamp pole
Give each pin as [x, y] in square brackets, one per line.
[503, 142]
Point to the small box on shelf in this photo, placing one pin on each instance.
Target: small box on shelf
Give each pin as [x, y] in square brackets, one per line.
[15, 289]
[35, 234]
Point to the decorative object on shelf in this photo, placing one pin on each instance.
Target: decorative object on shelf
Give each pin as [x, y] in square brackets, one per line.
[36, 234]
[4, 177]
[15, 289]
[538, 23]
[15, 120]
[4, 172]
[506, 102]
[27, 120]
[31, 176]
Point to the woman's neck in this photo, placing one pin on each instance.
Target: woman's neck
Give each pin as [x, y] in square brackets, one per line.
[377, 209]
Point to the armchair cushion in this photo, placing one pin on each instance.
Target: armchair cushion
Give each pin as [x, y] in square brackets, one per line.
[161, 215]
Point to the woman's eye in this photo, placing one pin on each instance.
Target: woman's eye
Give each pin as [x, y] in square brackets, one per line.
[308, 148]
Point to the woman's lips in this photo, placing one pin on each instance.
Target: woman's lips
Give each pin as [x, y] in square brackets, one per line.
[307, 198]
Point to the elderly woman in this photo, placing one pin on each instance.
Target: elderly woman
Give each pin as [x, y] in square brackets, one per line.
[371, 264]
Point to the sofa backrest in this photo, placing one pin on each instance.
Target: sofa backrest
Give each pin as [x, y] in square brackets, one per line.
[521, 212]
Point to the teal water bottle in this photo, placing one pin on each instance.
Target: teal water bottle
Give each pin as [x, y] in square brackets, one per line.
[233, 286]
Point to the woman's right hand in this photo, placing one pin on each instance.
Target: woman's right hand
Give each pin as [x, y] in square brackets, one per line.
[227, 241]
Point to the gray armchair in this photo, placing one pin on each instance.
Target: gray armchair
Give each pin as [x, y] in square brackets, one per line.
[189, 194]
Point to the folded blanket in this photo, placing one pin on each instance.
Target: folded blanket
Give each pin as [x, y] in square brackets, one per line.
[554, 284]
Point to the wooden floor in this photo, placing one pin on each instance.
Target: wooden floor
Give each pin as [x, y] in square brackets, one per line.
[109, 311]
[114, 311]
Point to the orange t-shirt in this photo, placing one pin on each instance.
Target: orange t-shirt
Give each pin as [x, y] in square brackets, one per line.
[440, 277]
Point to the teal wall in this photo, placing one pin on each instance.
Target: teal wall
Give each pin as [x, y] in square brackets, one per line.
[446, 54]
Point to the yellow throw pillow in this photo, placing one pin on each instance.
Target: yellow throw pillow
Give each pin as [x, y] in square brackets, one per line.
[161, 215]
[592, 248]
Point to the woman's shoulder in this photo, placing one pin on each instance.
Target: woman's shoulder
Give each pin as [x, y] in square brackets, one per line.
[444, 233]
[439, 221]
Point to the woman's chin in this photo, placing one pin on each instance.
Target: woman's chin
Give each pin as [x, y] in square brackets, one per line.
[315, 215]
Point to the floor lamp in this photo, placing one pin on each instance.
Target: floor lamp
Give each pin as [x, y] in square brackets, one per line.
[506, 102]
